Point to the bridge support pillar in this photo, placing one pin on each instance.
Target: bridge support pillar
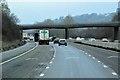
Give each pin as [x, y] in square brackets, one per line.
[116, 29]
[66, 33]
[21, 35]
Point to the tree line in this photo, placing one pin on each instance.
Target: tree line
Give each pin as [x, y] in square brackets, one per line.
[10, 31]
[99, 33]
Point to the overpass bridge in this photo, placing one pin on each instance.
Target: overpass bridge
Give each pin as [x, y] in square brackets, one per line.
[114, 25]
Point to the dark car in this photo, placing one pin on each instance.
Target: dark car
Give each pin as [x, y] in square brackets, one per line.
[53, 38]
[56, 41]
[62, 42]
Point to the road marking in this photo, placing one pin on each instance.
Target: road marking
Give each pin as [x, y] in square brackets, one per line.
[113, 73]
[19, 55]
[28, 59]
[93, 57]
[41, 75]
[47, 67]
[104, 66]
[85, 53]
[31, 59]
[89, 55]
[98, 61]
[53, 58]
[51, 62]
[54, 51]
[112, 57]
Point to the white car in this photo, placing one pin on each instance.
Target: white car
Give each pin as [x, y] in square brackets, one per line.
[70, 38]
[92, 39]
[62, 42]
[78, 38]
[81, 39]
[105, 40]
[31, 38]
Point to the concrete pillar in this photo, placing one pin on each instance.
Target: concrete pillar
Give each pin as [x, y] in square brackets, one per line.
[116, 29]
[21, 35]
[66, 33]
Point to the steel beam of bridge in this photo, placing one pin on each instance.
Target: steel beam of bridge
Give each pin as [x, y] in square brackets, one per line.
[26, 27]
[70, 26]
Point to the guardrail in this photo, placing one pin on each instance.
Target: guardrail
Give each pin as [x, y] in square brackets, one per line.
[4, 46]
[104, 44]
[107, 45]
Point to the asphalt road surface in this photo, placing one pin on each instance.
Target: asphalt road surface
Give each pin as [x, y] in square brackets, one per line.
[70, 62]
[28, 65]
[108, 57]
[66, 62]
[17, 51]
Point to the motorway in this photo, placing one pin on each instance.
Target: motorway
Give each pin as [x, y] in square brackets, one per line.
[55, 61]
[108, 57]
[28, 65]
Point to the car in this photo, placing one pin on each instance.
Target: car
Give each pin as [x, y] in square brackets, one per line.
[53, 38]
[82, 39]
[105, 40]
[92, 39]
[62, 42]
[70, 38]
[31, 38]
[78, 38]
[56, 41]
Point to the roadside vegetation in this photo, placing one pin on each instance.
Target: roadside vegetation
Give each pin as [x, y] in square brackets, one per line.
[98, 33]
[10, 34]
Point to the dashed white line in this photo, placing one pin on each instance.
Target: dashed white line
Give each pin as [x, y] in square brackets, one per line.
[93, 57]
[51, 62]
[41, 75]
[47, 67]
[86, 53]
[112, 57]
[89, 55]
[113, 73]
[52, 58]
[98, 61]
[104, 66]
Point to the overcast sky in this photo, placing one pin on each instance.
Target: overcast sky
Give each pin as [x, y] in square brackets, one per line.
[37, 11]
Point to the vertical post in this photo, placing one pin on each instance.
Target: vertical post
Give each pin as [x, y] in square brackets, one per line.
[21, 35]
[66, 33]
[116, 29]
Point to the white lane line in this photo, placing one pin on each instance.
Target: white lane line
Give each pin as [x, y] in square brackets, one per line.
[51, 62]
[86, 53]
[93, 57]
[54, 51]
[98, 61]
[41, 75]
[53, 58]
[18, 55]
[112, 57]
[47, 67]
[113, 73]
[104, 66]
[89, 55]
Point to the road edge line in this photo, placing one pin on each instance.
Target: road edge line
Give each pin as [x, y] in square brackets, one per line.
[19, 55]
